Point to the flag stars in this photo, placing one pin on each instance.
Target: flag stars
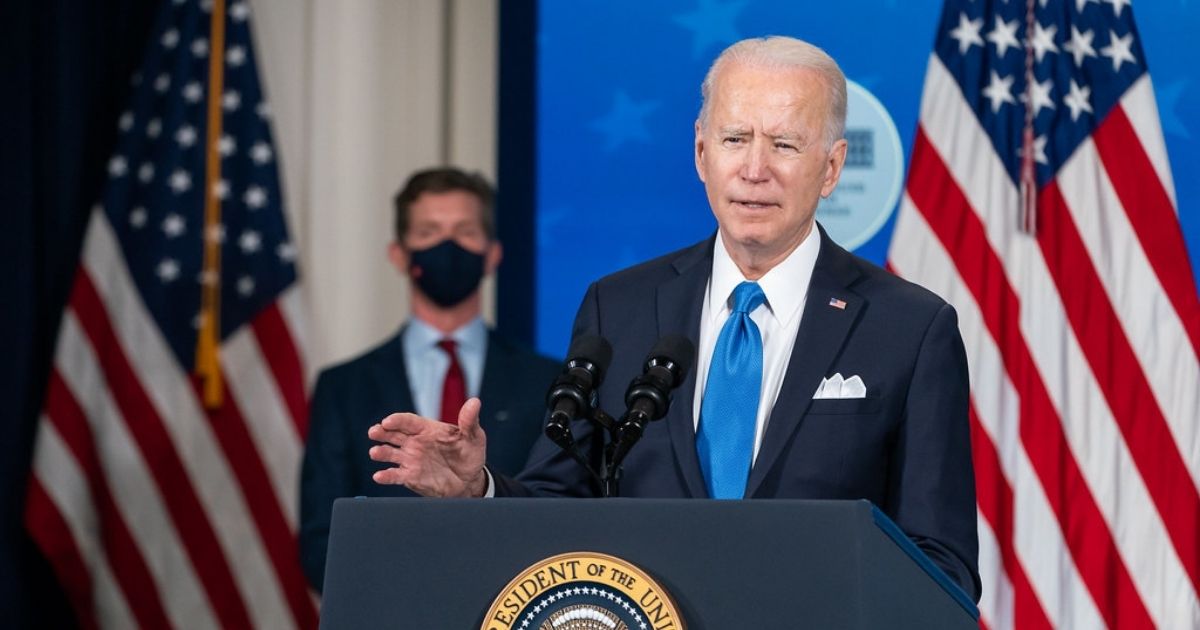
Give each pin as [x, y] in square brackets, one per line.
[193, 92]
[185, 136]
[1004, 36]
[221, 189]
[174, 225]
[260, 153]
[1080, 4]
[153, 128]
[1078, 100]
[125, 122]
[1039, 150]
[263, 110]
[286, 252]
[239, 11]
[967, 33]
[162, 83]
[146, 172]
[167, 270]
[1043, 40]
[226, 145]
[200, 47]
[180, 182]
[999, 91]
[1118, 5]
[245, 286]
[117, 166]
[255, 197]
[235, 56]
[216, 233]
[1080, 45]
[170, 38]
[250, 242]
[231, 101]
[1039, 93]
[1119, 50]
[138, 217]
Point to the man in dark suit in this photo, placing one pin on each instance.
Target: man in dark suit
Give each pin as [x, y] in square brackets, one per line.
[818, 375]
[445, 243]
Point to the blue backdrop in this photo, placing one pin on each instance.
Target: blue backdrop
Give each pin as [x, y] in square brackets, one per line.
[619, 87]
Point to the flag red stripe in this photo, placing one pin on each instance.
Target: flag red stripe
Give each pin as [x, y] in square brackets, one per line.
[129, 568]
[995, 498]
[147, 429]
[1151, 214]
[1120, 377]
[936, 195]
[277, 537]
[50, 531]
[279, 350]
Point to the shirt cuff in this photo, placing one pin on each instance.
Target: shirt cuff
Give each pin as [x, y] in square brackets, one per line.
[490, 492]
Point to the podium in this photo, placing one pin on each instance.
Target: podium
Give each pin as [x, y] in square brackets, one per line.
[442, 563]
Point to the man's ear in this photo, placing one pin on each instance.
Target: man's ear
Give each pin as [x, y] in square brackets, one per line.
[699, 151]
[398, 256]
[492, 258]
[833, 168]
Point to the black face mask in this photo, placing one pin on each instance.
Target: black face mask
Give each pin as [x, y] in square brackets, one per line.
[446, 272]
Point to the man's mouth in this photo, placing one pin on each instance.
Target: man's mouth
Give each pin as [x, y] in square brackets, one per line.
[755, 204]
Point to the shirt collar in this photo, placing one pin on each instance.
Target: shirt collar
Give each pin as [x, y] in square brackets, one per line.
[785, 285]
[470, 336]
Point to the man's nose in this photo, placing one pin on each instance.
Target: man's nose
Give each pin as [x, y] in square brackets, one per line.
[756, 166]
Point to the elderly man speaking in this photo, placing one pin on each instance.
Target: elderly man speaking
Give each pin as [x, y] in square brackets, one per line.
[819, 375]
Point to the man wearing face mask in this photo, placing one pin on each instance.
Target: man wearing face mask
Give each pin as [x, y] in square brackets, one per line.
[442, 356]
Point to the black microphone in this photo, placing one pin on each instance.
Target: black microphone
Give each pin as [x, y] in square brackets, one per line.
[570, 395]
[649, 395]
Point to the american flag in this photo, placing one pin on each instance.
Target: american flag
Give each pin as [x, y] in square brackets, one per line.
[1077, 306]
[165, 470]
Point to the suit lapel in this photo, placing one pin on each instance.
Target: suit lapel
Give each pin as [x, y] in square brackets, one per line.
[823, 331]
[679, 304]
[391, 376]
[494, 387]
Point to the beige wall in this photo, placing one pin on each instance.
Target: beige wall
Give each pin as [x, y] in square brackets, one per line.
[363, 92]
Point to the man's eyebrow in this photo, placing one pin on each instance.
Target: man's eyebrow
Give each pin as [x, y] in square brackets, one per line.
[734, 131]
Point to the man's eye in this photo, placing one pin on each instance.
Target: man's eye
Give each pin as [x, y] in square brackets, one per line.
[783, 146]
[732, 140]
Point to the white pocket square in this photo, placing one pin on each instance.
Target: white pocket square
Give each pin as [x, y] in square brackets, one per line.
[837, 387]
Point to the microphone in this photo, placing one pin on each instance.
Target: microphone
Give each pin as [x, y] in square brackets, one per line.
[649, 395]
[570, 395]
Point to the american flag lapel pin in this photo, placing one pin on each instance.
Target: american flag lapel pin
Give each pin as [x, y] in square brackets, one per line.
[838, 304]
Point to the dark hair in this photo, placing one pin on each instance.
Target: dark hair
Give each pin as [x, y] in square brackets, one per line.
[440, 180]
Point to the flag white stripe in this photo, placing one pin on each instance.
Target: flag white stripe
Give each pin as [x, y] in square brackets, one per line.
[996, 604]
[1141, 108]
[133, 490]
[59, 474]
[1151, 324]
[1037, 538]
[270, 425]
[1097, 444]
[176, 403]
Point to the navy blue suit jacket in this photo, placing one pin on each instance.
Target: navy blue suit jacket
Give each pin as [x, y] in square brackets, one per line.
[905, 447]
[351, 397]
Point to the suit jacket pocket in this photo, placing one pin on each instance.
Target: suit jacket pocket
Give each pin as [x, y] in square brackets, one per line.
[845, 406]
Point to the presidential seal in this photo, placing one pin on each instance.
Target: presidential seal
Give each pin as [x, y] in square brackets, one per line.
[582, 591]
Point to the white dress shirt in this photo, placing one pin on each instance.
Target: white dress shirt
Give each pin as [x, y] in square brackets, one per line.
[426, 363]
[778, 319]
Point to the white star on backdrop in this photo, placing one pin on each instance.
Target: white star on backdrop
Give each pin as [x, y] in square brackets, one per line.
[235, 56]
[1043, 40]
[1118, 5]
[167, 270]
[117, 166]
[239, 11]
[967, 33]
[999, 91]
[1040, 95]
[180, 181]
[173, 225]
[1119, 50]
[245, 285]
[192, 92]
[170, 38]
[231, 101]
[200, 48]
[162, 83]
[185, 136]
[250, 242]
[1080, 45]
[137, 217]
[255, 197]
[260, 152]
[153, 128]
[125, 122]
[1004, 36]
[146, 172]
[226, 145]
[1078, 100]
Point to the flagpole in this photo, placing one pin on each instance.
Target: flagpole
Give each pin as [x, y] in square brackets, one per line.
[208, 365]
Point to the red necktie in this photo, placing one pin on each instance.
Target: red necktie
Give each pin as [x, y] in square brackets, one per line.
[454, 387]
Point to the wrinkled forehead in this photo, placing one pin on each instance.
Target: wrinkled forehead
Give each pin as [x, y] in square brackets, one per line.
[768, 96]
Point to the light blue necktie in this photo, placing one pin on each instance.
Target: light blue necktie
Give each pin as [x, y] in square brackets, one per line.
[728, 414]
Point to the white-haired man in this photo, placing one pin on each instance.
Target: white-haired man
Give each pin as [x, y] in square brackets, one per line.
[818, 374]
